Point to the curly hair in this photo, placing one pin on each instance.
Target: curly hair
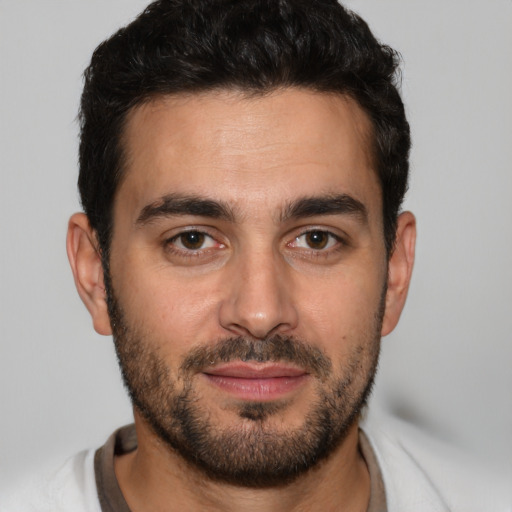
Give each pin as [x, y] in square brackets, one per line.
[256, 46]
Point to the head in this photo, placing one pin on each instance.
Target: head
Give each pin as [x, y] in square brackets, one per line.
[176, 47]
[242, 165]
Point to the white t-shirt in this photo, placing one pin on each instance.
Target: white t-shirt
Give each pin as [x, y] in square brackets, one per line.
[417, 473]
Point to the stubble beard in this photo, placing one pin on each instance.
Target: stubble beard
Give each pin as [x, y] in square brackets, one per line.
[256, 454]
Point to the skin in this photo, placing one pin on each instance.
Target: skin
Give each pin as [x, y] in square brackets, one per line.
[256, 274]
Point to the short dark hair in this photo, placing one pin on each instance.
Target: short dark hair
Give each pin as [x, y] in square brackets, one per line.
[257, 46]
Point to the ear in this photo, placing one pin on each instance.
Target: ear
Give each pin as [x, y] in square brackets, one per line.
[399, 270]
[85, 260]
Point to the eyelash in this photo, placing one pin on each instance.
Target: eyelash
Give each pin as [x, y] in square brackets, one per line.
[170, 244]
[340, 244]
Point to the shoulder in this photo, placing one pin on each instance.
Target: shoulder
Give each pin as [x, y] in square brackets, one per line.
[71, 487]
[426, 475]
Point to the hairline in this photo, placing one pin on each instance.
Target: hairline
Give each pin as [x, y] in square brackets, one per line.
[243, 93]
[248, 93]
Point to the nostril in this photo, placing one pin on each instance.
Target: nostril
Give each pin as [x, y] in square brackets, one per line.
[259, 302]
[258, 325]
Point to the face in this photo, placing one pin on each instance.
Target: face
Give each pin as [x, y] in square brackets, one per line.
[248, 277]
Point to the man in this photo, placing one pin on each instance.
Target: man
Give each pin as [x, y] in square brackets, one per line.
[242, 167]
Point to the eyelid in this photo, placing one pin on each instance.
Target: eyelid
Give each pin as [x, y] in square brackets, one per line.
[170, 245]
[336, 233]
[181, 230]
[331, 241]
[338, 243]
[177, 241]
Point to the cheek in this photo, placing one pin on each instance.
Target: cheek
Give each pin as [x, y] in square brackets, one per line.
[177, 312]
[341, 311]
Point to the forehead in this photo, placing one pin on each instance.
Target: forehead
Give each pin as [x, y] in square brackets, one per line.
[247, 150]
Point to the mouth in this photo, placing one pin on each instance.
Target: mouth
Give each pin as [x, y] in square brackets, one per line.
[260, 382]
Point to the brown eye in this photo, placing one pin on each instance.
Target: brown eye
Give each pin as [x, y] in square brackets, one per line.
[317, 239]
[192, 240]
[193, 243]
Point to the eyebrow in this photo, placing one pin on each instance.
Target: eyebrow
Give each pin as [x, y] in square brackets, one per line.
[341, 204]
[173, 204]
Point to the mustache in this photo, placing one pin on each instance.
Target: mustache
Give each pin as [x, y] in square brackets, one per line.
[275, 348]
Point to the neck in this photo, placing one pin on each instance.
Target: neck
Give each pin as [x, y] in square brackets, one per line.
[155, 477]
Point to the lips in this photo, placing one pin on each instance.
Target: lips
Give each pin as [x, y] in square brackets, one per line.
[262, 382]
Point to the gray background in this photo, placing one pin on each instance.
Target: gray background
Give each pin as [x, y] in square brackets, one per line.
[446, 367]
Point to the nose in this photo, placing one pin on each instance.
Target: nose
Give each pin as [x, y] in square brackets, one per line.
[258, 301]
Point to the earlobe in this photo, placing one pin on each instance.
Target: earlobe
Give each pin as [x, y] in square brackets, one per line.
[85, 260]
[399, 270]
